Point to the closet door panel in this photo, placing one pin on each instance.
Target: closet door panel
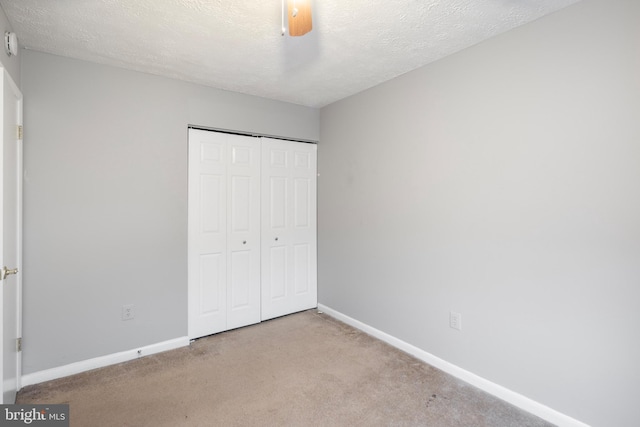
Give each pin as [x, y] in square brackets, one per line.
[302, 269]
[277, 288]
[211, 284]
[277, 203]
[240, 203]
[207, 240]
[275, 217]
[302, 203]
[304, 227]
[240, 281]
[288, 227]
[243, 231]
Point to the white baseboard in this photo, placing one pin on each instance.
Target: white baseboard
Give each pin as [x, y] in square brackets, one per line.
[516, 399]
[99, 362]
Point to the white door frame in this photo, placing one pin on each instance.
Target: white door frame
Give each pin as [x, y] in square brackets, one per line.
[6, 78]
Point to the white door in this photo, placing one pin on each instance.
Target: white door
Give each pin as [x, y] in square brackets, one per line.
[10, 250]
[289, 262]
[243, 231]
[223, 236]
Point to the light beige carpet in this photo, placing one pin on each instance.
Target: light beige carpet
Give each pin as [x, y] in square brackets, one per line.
[305, 369]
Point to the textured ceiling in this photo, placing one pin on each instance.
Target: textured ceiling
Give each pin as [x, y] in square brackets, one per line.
[237, 45]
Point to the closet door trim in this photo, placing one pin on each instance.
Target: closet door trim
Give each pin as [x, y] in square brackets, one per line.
[254, 134]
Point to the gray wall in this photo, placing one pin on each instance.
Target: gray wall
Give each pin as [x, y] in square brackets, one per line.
[105, 201]
[502, 183]
[10, 63]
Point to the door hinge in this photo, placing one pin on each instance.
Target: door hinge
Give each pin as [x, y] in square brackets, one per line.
[18, 344]
[20, 132]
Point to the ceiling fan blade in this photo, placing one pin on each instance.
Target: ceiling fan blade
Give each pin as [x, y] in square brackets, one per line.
[299, 17]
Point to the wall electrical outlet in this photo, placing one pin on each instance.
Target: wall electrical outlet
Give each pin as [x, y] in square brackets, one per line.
[455, 320]
[127, 312]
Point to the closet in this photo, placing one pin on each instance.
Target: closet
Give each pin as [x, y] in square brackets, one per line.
[251, 230]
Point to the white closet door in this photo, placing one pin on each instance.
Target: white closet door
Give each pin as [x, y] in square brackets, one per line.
[223, 232]
[243, 231]
[207, 238]
[289, 264]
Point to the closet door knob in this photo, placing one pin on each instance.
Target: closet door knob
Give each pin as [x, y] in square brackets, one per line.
[276, 239]
[244, 242]
[7, 271]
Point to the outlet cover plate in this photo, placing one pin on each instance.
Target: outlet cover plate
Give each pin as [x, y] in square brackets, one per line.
[455, 320]
[127, 312]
